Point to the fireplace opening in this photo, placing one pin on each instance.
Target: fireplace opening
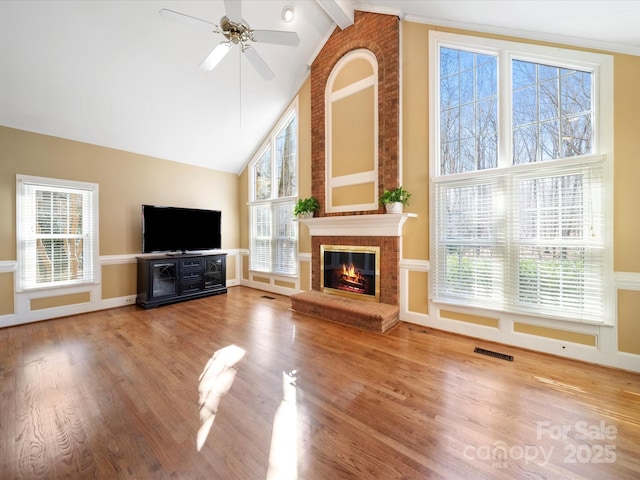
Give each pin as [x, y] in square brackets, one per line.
[350, 271]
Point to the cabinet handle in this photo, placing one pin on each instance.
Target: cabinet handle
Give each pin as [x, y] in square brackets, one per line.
[163, 264]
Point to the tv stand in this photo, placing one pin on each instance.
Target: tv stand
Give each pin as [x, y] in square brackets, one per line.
[176, 277]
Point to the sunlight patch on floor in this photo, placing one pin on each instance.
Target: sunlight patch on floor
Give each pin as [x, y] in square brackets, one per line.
[283, 457]
[215, 382]
[559, 385]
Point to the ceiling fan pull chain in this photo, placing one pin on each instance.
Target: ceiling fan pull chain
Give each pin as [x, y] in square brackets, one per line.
[240, 83]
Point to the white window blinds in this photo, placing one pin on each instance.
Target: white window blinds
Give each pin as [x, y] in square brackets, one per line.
[558, 240]
[531, 241]
[56, 234]
[520, 179]
[274, 239]
[261, 250]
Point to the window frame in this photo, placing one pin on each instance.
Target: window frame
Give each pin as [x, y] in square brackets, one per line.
[91, 252]
[274, 201]
[602, 150]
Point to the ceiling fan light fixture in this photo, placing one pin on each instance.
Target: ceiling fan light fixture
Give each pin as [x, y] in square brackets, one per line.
[237, 32]
[288, 13]
[215, 56]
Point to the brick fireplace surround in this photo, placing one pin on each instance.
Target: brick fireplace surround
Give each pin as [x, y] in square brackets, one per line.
[389, 259]
[380, 35]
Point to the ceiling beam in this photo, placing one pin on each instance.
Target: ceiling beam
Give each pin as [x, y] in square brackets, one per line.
[340, 11]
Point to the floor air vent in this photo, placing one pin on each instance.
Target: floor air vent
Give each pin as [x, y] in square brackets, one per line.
[502, 356]
[268, 297]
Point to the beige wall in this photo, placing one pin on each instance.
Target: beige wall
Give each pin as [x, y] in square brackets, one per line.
[352, 134]
[304, 157]
[477, 319]
[626, 191]
[418, 292]
[59, 300]
[118, 280]
[415, 138]
[354, 71]
[629, 321]
[126, 181]
[555, 334]
[243, 211]
[6, 293]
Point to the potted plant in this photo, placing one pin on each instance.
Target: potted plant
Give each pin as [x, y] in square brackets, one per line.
[306, 207]
[394, 200]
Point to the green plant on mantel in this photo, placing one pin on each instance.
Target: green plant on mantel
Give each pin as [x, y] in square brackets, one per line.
[397, 195]
[306, 207]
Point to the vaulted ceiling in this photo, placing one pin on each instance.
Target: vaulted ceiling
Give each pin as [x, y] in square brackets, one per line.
[120, 75]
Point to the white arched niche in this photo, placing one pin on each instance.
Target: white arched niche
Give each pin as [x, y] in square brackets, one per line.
[351, 126]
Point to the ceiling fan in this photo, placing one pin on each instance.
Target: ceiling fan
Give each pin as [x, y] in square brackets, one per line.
[236, 31]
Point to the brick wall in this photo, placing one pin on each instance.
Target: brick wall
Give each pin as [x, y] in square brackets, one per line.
[381, 35]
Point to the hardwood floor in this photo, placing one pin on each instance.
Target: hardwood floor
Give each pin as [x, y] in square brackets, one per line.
[114, 394]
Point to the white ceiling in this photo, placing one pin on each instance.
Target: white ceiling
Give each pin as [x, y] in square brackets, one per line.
[117, 74]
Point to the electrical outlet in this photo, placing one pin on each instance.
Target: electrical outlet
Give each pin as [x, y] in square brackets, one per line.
[129, 300]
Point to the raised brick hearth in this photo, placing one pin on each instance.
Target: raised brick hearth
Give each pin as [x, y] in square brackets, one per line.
[372, 316]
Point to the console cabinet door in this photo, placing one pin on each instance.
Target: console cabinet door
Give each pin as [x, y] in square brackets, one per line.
[163, 278]
[215, 274]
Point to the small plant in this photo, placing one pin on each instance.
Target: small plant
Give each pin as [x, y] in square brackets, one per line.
[306, 206]
[397, 195]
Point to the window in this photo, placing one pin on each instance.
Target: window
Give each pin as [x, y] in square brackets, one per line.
[56, 232]
[274, 235]
[520, 178]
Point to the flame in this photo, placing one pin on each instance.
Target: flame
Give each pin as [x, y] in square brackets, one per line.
[349, 271]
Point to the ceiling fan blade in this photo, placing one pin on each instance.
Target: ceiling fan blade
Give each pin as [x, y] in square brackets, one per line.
[276, 36]
[181, 17]
[217, 54]
[234, 10]
[258, 63]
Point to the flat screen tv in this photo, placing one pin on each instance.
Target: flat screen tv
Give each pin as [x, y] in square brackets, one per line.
[174, 229]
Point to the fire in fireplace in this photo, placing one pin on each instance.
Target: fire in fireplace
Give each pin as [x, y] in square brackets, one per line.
[351, 271]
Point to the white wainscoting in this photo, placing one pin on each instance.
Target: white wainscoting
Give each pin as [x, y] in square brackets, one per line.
[7, 266]
[273, 279]
[24, 314]
[604, 353]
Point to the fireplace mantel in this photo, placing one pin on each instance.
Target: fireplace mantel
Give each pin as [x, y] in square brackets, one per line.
[375, 225]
